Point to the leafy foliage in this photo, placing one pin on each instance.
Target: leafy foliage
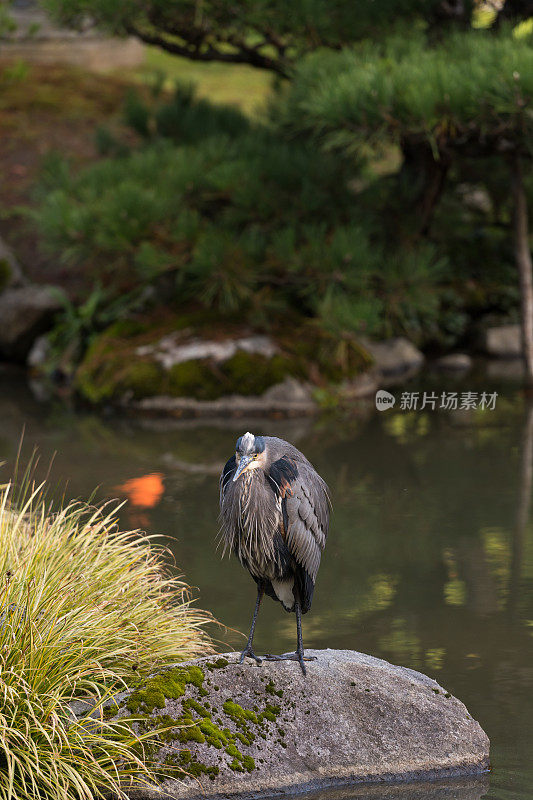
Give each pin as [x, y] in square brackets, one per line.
[243, 221]
[274, 223]
[467, 97]
[77, 324]
[7, 23]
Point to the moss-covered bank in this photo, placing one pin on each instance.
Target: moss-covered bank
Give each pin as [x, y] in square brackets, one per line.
[117, 365]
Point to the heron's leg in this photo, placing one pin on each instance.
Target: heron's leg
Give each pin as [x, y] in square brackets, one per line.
[300, 641]
[248, 649]
[299, 654]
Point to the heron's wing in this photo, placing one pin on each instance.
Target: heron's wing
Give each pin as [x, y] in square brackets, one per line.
[226, 476]
[302, 495]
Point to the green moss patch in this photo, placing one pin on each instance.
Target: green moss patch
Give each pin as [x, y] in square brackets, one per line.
[323, 357]
[220, 663]
[196, 725]
[110, 370]
[271, 689]
[194, 378]
[169, 684]
[184, 764]
[252, 373]
[198, 722]
[243, 716]
[112, 367]
[244, 374]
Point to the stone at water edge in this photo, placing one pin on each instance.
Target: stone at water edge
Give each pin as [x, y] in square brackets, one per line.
[257, 730]
[394, 358]
[504, 341]
[25, 313]
[454, 362]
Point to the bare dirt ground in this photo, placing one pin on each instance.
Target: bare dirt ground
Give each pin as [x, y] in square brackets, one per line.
[46, 109]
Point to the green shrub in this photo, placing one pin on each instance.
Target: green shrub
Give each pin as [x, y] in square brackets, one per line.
[257, 223]
[253, 227]
[77, 325]
[188, 119]
[474, 78]
[137, 114]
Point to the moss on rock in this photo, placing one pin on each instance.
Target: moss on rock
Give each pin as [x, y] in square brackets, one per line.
[320, 353]
[244, 373]
[249, 742]
[113, 369]
[169, 684]
[248, 763]
[220, 663]
[184, 764]
[110, 370]
[271, 689]
[253, 373]
[238, 713]
[234, 729]
[194, 378]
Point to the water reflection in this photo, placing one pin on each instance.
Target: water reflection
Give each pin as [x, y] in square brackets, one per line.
[430, 558]
[454, 789]
[142, 493]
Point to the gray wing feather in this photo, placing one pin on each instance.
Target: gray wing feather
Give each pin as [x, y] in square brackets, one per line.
[308, 518]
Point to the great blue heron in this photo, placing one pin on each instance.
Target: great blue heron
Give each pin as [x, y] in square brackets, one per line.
[275, 518]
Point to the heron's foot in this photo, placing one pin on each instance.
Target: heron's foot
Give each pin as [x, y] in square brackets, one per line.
[297, 656]
[250, 653]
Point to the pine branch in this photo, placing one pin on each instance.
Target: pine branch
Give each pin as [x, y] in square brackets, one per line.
[195, 48]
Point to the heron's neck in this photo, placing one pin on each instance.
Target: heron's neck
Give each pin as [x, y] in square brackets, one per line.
[247, 491]
[247, 480]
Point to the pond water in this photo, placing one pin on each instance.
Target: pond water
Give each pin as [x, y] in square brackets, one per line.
[429, 562]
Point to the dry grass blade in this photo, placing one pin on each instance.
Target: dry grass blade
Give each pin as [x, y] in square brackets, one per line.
[84, 609]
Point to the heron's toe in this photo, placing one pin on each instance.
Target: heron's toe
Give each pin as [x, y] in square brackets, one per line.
[299, 657]
[250, 654]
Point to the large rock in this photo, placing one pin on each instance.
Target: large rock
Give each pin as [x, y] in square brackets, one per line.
[454, 362]
[475, 197]
[170, 351]
[261, 730]
[288, 398]
[362, 386]
[503, 341]
[25, 313]
[394, 358]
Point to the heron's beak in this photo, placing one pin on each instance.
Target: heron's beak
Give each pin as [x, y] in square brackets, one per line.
[243, 463]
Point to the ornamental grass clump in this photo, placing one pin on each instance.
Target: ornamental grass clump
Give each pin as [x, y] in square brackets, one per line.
[84, 610]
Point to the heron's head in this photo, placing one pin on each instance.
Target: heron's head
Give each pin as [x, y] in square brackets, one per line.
[250, 453]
